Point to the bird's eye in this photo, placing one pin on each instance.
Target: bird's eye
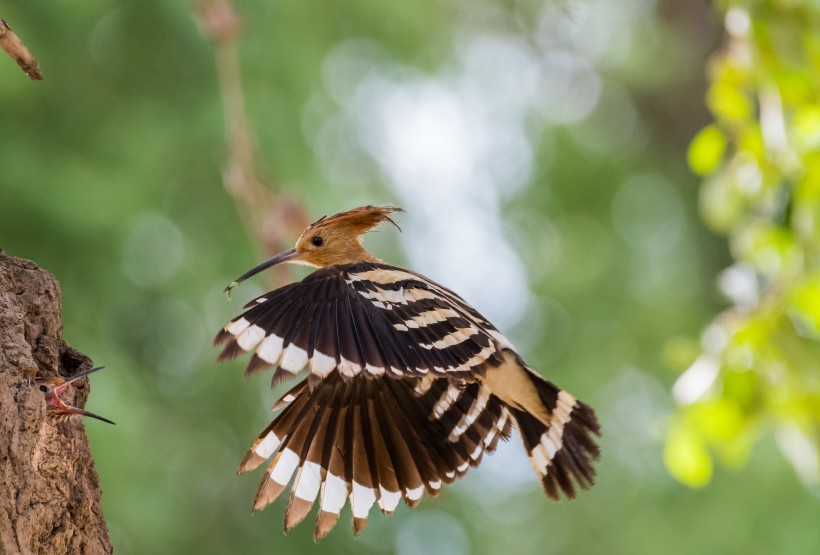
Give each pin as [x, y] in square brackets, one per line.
[43, 388]
[317, 241]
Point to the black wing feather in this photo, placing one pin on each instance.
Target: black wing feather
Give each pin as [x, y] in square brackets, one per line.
[357, 312]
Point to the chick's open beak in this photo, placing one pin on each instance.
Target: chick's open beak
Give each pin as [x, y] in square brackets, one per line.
[60, 388]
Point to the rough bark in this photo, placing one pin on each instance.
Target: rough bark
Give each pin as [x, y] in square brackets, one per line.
[50, 495]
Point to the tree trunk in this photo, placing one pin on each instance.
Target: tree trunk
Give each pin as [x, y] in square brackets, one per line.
[50, 495]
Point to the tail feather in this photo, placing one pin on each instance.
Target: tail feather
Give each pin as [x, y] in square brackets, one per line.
[561, 447]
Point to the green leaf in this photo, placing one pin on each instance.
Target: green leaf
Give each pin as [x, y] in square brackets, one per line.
[729, 103]
[807, 127]
[686, 457]
[805, 306]
[706, 150]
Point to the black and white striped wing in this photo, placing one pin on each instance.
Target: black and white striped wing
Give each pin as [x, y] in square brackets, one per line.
[372, 441]
[364, 318]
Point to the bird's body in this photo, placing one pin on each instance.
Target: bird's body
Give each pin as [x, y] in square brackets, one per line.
[408, 385]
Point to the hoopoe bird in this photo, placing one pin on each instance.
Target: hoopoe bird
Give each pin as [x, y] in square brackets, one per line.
[407, 387]
[55, 407]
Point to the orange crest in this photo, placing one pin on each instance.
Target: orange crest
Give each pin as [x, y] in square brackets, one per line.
[356, 221]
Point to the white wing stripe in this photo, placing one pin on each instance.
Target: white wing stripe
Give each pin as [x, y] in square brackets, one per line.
[414, 494]
[334, 493]
[237, 327]
[361, 499]
[308, 482]
[294, 358]
[268, 446]
[499, 428]
[322, 364]
[388, 500]
[250, 338]
[284, 467]
[383, 276]
[270, 349]
[445, 401]
[467, 419]
[349, 368]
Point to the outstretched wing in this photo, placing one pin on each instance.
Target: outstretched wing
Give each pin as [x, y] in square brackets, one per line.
[372, 441]
[364, 318]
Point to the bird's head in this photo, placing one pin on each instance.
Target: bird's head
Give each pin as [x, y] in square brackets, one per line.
[330, 240]
[52, 388]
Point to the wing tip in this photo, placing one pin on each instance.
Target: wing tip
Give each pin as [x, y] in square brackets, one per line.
[325, 522]
[267, 493]
[250, 461]
[358, 525]
[221, 337]
[280, 376]
[230, 351]
[296, 512]
[256, 365]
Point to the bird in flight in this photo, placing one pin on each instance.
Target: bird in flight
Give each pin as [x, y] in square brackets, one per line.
[407, 387]
[52, 388]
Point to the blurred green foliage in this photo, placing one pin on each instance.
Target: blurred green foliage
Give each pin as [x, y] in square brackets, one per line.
[110, 177]
[760, 161]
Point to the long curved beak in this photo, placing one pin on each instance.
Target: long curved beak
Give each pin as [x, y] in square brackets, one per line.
[278, 259]
[75, 410]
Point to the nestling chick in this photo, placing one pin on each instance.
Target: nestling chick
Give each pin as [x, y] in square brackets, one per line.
[56, 408]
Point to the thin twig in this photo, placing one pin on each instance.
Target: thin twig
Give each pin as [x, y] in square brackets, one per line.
[15, 48]
[271, 217]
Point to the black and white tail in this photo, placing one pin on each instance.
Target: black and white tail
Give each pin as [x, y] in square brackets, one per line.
[557, 436]
[558, 466]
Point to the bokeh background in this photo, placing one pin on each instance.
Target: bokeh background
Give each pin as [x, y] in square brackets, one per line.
[544, 154]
